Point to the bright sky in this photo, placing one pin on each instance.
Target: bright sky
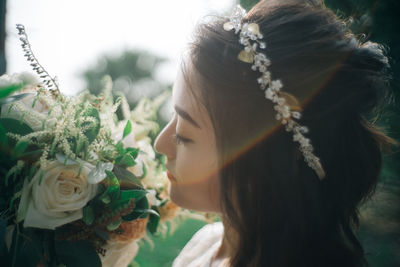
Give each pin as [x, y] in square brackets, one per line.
[68, 36]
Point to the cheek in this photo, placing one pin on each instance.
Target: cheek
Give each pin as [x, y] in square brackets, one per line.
[196, 164]
[201, 195]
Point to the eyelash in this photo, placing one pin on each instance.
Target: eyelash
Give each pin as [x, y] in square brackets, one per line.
[179, 139]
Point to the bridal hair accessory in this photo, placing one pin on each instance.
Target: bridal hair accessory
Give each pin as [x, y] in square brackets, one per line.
[251, 37]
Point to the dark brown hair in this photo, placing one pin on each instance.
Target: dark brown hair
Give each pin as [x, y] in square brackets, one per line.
[283, 214]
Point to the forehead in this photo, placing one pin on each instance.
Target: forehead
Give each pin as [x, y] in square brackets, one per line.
[184, 98]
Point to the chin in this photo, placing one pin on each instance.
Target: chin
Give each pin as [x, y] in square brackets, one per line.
[192, 197]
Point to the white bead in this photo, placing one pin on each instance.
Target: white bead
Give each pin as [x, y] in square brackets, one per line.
[303, 129]
[269, 94]
[296, 114]
[286, 114]
[281, 101]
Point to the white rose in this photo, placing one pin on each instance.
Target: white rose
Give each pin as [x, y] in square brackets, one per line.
[58, 198]
[17, 78]
[119, 254]
[33, 116]
[145, 157]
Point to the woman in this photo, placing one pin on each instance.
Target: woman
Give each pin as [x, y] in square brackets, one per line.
[287, 197]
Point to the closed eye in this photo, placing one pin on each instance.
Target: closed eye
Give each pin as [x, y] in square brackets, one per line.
[179, 139]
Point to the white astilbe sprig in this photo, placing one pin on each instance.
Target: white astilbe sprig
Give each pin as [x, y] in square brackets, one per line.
[251, 38]
[50, 82]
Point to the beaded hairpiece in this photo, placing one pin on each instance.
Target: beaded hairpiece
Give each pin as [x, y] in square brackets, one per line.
[251, 37]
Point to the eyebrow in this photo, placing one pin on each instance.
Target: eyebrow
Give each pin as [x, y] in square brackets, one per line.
[186, 116]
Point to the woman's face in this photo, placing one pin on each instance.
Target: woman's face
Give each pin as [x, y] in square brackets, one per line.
[189, 143]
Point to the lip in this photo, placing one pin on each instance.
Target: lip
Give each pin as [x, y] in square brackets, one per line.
[171, 177]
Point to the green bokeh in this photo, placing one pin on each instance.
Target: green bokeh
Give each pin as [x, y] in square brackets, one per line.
[165, 250]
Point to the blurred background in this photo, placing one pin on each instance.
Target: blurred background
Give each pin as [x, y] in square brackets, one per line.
[139, 43]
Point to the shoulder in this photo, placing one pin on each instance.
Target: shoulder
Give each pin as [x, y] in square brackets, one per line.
[201, 247]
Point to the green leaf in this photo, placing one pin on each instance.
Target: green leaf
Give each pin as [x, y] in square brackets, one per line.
[148, 211]
[20, 147]
[144, 169]
[3, 231]
[9, 89]
[127, 129]
[15, 126]
[138, 212]
[125, 175]
[125, 161]
[77, 253]
[133, 151]
[3, 136]
[136, 194]
[88, 215]
[26, 246]
[153, 223]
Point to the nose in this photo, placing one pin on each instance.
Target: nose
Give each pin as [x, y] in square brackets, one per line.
[164, 143]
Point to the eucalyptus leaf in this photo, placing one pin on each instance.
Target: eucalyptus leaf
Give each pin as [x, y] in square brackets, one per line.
[114, 225]
[98, 174]
[105, 198]
[88, 215]
[112, 190]
[101, 234]
[13, 98]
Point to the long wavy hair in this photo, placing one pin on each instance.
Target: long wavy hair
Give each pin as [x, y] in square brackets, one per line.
[283, 214]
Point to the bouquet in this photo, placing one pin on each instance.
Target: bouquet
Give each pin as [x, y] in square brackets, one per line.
[78, 186]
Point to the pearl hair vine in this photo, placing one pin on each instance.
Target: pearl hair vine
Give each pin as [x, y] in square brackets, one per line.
[251, 37]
